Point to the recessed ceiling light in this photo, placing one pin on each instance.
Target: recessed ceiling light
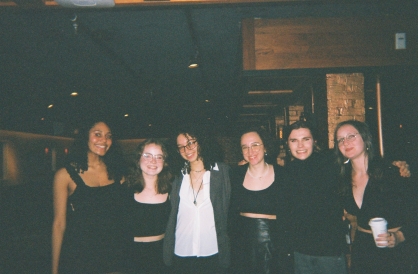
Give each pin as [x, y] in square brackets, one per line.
[75, 93]
[50, 106]
[126, 115]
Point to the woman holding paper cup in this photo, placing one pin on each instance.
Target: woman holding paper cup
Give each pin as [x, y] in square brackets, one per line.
[373, 189]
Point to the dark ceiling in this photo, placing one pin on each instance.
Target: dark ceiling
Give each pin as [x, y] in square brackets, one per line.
[134, 60]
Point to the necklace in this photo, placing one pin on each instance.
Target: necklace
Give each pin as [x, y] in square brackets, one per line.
[198, 171]
[259, 177]
[195, 197]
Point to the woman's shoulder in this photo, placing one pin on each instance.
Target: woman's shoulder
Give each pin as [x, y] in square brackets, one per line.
[62, 177]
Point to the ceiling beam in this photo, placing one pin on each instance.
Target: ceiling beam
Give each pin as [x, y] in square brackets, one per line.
[122, 3]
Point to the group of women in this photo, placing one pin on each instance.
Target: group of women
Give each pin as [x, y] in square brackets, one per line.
[198, 215]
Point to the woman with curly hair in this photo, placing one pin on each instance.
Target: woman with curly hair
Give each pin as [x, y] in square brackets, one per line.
[87, 235]
[196, 239]
[149, 206]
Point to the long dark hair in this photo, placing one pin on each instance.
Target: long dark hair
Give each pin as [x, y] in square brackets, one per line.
[135, 180]
[374, 163]
[113, 159]
[208, 151]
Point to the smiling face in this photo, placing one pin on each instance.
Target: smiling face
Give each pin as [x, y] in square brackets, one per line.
[352, 147]
[152, 166]
[188, 147]
[252, 148]
[100, 139]
[301, 143]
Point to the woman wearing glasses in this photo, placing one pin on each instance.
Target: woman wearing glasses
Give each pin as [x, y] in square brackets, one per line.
[372, 189]
[149, 206]
[254, 207]
[196, 239]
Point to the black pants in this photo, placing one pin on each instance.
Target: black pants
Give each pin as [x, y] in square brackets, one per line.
[193, 265]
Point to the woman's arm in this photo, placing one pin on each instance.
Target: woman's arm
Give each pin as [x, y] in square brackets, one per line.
[403, 168]
[60, 196]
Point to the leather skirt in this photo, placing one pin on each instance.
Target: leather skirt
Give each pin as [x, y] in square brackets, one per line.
[254, 247]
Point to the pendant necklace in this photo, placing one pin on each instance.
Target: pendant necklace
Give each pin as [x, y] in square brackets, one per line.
[259, 177]
[200, 187]
[195, 197]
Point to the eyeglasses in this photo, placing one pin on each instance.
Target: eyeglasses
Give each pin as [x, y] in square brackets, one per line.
[190, 145]
[349, 138]
[158, 158]
[255, 147]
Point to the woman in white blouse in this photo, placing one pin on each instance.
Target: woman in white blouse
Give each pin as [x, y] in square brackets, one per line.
[196, 238]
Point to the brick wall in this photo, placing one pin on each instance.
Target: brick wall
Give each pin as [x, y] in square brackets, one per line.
[345, 100]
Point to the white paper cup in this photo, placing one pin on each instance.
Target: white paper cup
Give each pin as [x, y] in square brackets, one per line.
[378, 226]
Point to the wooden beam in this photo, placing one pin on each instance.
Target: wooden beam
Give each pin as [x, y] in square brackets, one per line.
[122, 3]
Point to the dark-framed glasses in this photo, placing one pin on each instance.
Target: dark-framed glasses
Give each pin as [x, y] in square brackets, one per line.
[158, 158]
[190, 145]
[255, 147]
[349, 138]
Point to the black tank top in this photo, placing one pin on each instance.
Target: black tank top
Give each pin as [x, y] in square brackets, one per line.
[259, 201]
[94, 239]
[149, 219]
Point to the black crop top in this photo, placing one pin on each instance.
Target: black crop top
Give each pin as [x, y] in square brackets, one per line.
[149, 219]
[259, 201]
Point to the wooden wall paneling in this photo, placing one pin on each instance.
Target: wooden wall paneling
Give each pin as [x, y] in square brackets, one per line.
[327, 42]
[248, 49]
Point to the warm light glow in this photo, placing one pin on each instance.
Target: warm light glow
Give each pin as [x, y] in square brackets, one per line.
[149, 125]
[126, 115]
[66, 150]
[42, 119]
[75, 93]
[207, 101]
[193, 65]
[400, 126]
[50, 106]
[46, 150]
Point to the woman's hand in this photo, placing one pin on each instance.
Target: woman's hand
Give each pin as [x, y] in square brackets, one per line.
[390, 239]
[403, 168]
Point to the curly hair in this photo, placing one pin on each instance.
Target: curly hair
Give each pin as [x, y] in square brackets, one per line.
[209, 150]
[135, 180]
[113, 159]
[272, 149]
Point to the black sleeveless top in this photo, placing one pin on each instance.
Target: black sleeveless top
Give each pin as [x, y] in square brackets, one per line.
[265, 201]
[259, 201]
[148, 219]
[94, 239]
